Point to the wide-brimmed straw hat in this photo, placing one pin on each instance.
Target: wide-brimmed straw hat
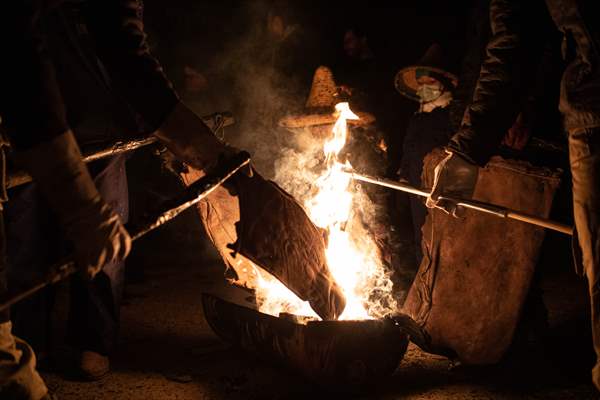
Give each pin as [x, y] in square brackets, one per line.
[320, 105]
[433, 64]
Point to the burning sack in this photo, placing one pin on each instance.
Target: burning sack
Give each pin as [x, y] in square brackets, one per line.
[261, 225]
[476, 271]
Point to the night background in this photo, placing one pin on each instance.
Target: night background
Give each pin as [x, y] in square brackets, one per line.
[217, 38]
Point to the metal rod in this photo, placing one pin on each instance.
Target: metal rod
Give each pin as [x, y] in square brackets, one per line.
[214, 121]
[192, 195]
[487, 208]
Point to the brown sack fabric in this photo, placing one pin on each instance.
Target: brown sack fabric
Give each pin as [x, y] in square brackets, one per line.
[476, 271]
[264, 225]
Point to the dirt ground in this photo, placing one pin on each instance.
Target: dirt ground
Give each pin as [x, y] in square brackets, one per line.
[168, 351]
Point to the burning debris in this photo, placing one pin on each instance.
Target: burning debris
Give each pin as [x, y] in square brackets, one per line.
[296, 257]
[314, 175]
[352, 255]
[324, 261]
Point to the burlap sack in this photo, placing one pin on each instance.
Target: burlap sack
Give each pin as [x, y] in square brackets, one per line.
[263, 225]
[471, 285]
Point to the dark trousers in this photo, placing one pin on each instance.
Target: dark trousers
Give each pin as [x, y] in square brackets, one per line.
[426, 131]
[34, 242]
[584, 154]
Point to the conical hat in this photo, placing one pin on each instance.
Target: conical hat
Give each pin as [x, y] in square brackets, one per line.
[323, 91]
[320, 105]
[431, 64]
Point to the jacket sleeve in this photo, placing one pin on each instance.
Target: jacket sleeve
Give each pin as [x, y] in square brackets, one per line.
[31, 105]
[118, 30]
[494, 106]
[477, 36]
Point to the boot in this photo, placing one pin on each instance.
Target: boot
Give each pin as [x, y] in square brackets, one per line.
[93, 366]
[19, 379]
[596, 376]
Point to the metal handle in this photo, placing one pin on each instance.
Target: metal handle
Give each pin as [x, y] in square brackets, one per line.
[493, 209]
[214, 121]
[192, 195]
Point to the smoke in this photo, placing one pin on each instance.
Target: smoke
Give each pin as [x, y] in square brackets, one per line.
[258, 75]
[267, 90]
[264, 77]
[353, 253]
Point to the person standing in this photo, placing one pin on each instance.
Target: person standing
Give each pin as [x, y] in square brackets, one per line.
[492, 111]
[34, 116]
[431, 84]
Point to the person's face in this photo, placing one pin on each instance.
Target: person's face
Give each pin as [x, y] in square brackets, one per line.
[275, 26]
[352, 45]
[429, 88]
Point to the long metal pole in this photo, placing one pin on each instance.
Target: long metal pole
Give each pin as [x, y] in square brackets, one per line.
[214, 121]
[487, 208]
[192, 195]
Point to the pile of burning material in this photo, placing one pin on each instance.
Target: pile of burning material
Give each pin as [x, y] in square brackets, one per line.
[322, 263]
[362, 345]
[323, 267]
[324, 300]
[335, 205]
[370, 338]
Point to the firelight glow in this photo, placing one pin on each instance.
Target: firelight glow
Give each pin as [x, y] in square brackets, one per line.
[353, 256]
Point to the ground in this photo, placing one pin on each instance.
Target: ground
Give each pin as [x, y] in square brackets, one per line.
[168, 351]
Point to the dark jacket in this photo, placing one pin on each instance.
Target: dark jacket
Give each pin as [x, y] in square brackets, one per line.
[476, 37]
[95, 111]
[425, 132]
[501, 78]
[31, 102]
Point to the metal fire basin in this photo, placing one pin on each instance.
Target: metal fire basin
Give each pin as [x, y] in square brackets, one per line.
[342, 354]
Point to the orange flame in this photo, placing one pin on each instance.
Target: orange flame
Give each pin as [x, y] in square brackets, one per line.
[351, 254]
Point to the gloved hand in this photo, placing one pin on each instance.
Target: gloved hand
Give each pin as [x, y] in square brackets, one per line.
[99, 237]
[454, 177]
[518, 134]
[192, 141]
[97, 233]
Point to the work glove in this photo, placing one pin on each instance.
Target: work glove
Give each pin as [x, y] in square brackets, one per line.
[191, 141]
[518, 134]
[454, 177]
[97, 233]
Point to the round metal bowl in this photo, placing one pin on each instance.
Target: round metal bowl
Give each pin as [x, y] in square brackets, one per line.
[334, 353]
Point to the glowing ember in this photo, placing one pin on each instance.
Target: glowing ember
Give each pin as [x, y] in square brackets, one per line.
[352, 255]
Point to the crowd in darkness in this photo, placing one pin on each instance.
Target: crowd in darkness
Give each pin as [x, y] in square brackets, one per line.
[257, 60]
[213, 49]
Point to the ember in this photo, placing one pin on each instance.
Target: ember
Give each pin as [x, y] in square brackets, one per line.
[352, 255]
